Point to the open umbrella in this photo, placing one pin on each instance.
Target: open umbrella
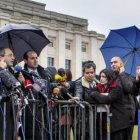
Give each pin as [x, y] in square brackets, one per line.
[124, 43]
[21, 38]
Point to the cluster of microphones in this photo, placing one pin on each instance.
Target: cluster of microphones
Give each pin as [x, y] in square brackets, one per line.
[63, 92]
[15, 87]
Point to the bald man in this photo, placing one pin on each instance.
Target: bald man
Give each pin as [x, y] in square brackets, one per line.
[117, 64]
[129, 89]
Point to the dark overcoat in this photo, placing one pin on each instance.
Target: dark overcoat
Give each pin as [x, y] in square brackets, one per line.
[119, 119]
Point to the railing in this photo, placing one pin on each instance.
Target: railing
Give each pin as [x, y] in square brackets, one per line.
[78, 123]
[67, 121]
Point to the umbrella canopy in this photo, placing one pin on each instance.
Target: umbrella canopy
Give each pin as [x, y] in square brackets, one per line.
[22, 38]
[124, 43]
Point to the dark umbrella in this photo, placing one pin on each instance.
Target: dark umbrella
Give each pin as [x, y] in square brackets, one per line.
[124, 43]
[21, 38]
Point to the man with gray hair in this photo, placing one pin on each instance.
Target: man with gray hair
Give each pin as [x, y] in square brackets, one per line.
[6, 62]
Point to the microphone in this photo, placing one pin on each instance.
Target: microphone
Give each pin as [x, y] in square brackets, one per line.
[38, 89]
[12, 83]
[28, 85]
[19, 69]
[56, 92]
[8, 79]
[65, 92]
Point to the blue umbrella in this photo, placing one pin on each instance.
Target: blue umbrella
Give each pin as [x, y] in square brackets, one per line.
[124, 43]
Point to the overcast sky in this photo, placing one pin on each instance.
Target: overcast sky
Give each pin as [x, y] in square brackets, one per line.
[102, 15]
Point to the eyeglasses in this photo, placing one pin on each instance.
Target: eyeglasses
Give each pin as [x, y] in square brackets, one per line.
[9, 55]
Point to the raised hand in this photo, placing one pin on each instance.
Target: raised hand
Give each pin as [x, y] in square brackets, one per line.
[3, 63]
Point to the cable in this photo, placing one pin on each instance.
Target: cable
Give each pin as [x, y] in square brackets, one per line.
[5, 121]
[18, 117]
[22, 128]
[38, 120]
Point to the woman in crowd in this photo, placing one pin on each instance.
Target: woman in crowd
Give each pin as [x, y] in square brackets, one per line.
[119, 119]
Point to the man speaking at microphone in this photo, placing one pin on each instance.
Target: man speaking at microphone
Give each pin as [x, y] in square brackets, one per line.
[6, 62]
[32, 66]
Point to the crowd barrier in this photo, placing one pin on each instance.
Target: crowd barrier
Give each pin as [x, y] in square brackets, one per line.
[68, 121]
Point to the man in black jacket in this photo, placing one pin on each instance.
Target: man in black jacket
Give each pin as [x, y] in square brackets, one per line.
[6, 62]
[32, 67]
[129, 89]
[84, 85]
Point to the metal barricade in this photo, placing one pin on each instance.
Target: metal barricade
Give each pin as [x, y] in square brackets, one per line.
[68, 121]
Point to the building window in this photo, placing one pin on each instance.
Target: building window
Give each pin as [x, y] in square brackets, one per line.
[67, 46]
[67, 64]
[50, 61]
[84, 48]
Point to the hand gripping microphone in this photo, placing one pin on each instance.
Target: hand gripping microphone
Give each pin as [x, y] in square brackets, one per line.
[28, 85]
[65, 92]
[38, 89]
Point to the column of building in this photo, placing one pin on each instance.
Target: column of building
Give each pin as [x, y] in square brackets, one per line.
[60, 49]
[76, 57]
[94, 52]
[43, 54]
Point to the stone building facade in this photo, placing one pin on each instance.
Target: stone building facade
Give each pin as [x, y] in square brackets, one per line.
[72, 43]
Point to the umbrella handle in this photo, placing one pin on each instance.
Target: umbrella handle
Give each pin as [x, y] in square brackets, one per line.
[128, 58]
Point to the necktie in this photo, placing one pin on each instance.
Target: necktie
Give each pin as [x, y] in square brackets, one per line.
[34, 77]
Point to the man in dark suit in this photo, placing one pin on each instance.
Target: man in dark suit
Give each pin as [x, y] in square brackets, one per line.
[6, 62]
[129, 85]
[36, 74]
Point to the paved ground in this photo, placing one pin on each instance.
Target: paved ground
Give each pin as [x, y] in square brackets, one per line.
[135, 133]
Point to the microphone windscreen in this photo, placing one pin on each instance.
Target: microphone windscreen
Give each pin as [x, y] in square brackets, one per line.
[36, 87]
[64, 90]
[18, 68]
[56, 90]
[7, 78]
[27, 84]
